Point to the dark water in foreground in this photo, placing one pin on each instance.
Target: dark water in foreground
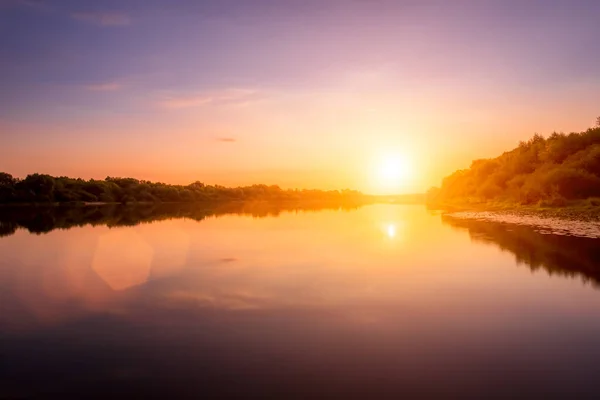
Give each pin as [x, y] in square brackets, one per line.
[381, 301]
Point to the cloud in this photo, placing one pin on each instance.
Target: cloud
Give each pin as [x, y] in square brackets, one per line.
[104, 87]
[185, 102]
[102, 18]
[226, 96]
[226, 139]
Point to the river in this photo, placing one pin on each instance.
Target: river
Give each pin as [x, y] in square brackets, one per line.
[379, 301]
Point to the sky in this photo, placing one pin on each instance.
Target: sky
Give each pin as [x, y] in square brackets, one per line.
[300, 93]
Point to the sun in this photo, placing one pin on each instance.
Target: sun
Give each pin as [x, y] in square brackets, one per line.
[393, 171]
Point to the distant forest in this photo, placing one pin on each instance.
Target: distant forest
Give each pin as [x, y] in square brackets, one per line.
[40, 188]
[542, 171]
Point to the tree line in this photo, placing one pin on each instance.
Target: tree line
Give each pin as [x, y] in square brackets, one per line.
[543, 171]
[42, 188]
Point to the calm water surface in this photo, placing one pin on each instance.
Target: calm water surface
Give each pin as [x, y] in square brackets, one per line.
[376, 302]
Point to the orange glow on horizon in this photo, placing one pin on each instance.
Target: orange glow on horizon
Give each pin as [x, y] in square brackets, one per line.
[285, 139]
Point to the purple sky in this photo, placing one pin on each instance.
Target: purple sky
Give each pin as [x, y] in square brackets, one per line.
[301, 93]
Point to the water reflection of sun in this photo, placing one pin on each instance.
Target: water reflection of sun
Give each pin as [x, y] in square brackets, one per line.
[393, 231]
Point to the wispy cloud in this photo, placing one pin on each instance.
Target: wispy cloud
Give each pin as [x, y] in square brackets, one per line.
[104, 87]
[226, 139]
[185, 101]
[102, 18]
[226, 96]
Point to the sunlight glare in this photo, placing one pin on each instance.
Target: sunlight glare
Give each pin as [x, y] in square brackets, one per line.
[391, 231]
[393, 172]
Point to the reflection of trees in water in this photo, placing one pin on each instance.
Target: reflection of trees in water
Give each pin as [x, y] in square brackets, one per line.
[562, 255]
[47, 218]
[7, 228]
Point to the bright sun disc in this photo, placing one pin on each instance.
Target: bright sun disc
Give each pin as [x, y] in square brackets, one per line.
[393, 171]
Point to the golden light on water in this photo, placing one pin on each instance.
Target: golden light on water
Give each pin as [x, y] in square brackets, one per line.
[391, 231]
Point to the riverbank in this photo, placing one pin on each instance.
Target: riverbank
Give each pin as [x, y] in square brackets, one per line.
[584, 210]
[541, 223]
[581, 219]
